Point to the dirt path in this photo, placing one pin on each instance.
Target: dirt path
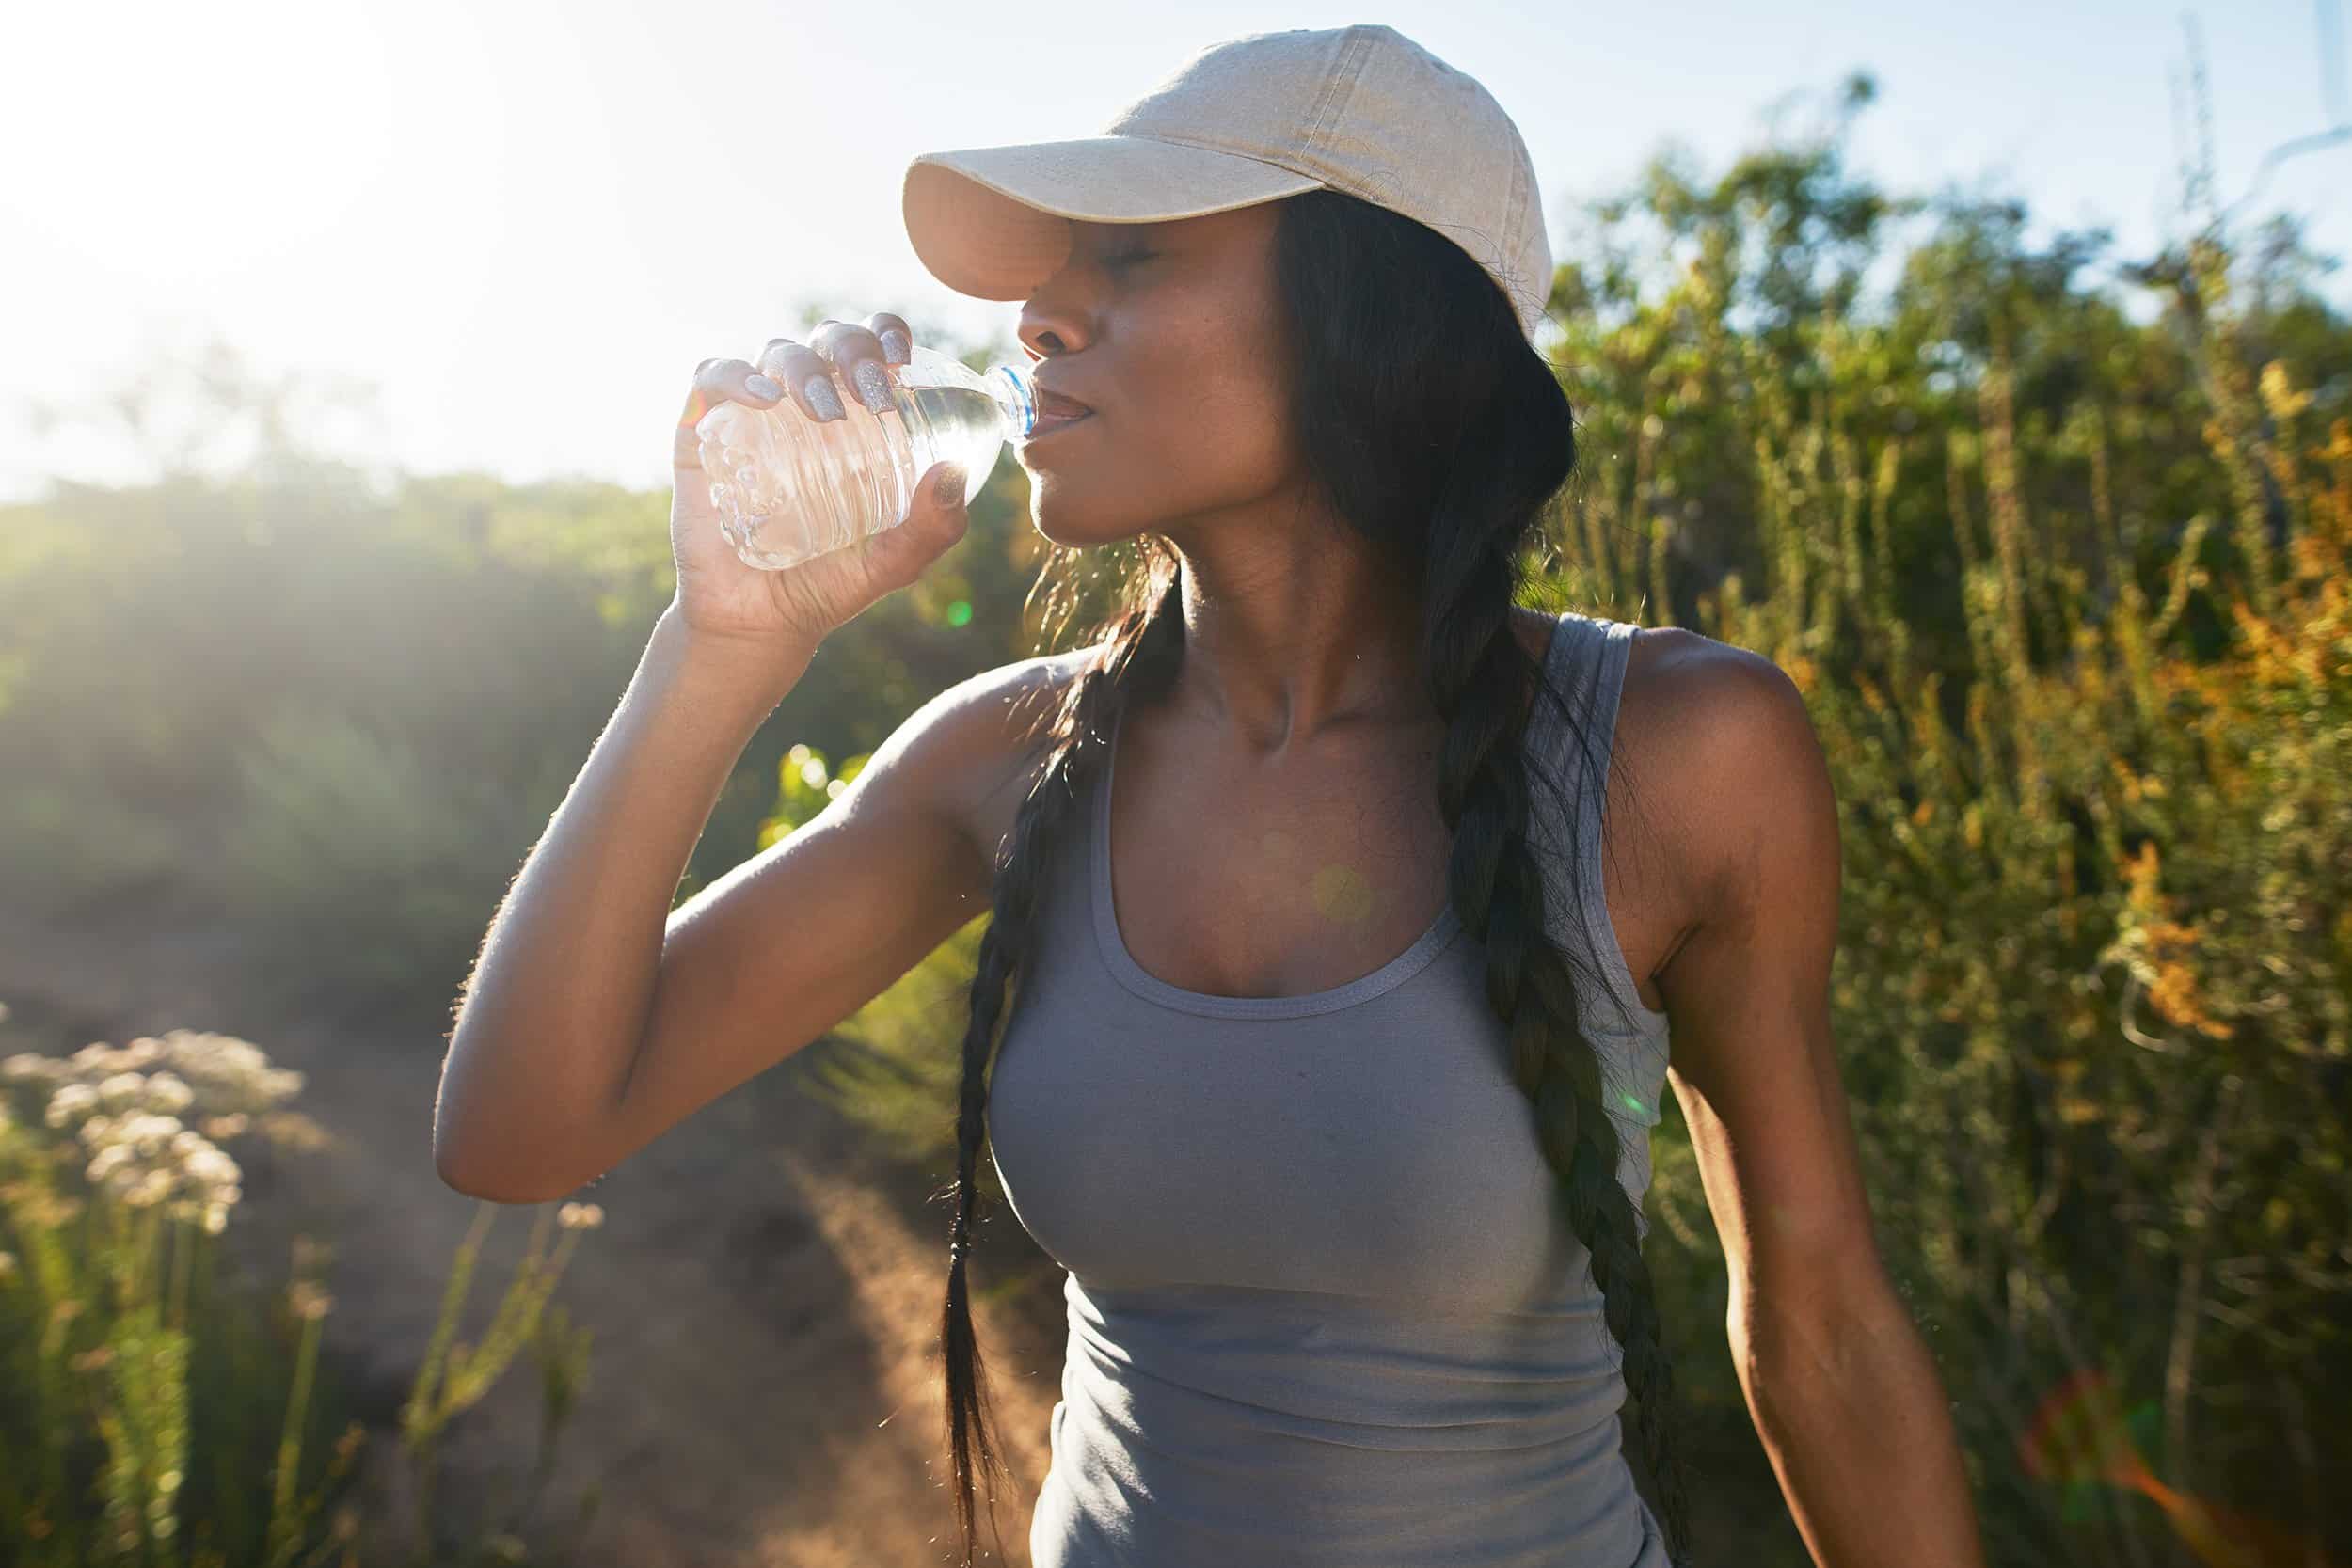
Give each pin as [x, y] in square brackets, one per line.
[763, 1293]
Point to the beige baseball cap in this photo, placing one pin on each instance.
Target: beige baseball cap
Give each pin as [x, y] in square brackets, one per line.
[1361, 109]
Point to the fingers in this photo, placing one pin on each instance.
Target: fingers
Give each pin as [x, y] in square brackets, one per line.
[814, 375]
[897, 341]
[718, 381]
[857, 356]
[806, 374]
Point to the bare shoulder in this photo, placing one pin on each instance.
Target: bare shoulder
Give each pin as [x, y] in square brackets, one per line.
[975, 745]
[1677, 678]
[1731, 747]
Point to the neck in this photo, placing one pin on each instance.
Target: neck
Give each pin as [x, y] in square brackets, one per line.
[1300, 637]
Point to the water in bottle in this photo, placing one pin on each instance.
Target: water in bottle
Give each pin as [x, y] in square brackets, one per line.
[788, 487]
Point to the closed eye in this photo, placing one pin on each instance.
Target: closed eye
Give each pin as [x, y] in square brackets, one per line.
[1127, 258]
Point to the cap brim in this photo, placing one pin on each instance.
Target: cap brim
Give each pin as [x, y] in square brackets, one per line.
[994, 222]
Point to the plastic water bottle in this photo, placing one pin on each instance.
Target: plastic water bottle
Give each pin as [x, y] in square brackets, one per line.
[788, 487]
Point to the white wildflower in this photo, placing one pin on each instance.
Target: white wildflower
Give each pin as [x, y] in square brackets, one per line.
[152, 1188]
[169, 1091]
[122, 1088]
[68, 1101]
[211, 1167]
[150, 1131]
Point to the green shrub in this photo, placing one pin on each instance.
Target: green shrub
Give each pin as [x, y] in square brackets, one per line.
[366, 868]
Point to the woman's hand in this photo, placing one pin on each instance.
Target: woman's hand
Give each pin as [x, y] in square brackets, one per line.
[719, 595]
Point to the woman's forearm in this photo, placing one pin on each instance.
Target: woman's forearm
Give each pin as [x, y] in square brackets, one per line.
[1851, 1413]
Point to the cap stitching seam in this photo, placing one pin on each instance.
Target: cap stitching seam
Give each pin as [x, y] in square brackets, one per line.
[1506, 255]
[1332, 101]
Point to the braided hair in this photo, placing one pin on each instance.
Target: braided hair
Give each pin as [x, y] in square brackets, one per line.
[1440, 434]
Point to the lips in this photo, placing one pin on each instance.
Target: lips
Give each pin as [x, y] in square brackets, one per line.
[1048, 426]
[1056, 411]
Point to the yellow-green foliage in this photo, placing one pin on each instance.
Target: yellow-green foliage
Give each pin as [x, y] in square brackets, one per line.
[2093, 995]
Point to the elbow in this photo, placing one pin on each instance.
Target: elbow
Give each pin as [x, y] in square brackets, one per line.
[493, 1181]
[465, 1179]
[505, 1160]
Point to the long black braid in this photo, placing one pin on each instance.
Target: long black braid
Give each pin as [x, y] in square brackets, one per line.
[1440, 436]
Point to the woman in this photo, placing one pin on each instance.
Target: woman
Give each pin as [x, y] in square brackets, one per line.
[1349, 1195]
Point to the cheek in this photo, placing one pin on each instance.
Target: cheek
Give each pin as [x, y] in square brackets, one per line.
[1227, 428]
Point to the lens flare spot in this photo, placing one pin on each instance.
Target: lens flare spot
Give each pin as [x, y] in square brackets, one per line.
[1342, 893]
[2082, 1437]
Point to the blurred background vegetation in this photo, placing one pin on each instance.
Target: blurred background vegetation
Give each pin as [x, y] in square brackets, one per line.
[2063, 565]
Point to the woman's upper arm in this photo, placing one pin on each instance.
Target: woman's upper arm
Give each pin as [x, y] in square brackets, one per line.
[1755, 1066]
[770, 957]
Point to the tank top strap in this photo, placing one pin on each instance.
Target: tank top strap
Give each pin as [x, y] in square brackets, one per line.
[1587, 663]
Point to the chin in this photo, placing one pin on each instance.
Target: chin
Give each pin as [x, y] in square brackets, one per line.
[1059, 532]
[1067, 521]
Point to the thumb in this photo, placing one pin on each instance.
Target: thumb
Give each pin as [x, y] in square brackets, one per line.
[940, 510]
[944, 492]
[936, 519]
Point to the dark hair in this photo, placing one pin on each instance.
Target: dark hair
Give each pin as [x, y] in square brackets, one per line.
[1439, 434]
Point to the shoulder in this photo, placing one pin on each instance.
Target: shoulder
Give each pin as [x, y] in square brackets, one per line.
[979, 743]
[1693, 679]
[990, 720]
[1725, 738]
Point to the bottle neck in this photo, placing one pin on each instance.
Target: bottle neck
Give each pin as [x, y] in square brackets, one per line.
[1016, 395]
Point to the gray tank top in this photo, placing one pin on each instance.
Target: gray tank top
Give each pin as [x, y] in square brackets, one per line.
[1325, 1305]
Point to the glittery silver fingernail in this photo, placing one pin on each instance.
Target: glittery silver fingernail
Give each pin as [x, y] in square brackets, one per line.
[894, 347]
[823, 398]
[873, 386]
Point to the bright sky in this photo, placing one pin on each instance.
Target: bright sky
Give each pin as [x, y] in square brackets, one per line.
[524, 221]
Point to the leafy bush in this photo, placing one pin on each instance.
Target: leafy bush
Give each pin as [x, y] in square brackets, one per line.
[368, 869]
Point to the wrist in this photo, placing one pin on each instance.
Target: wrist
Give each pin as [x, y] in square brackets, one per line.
[759, 668]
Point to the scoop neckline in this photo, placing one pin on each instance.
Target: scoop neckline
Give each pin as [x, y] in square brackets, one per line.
[1440, 934]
